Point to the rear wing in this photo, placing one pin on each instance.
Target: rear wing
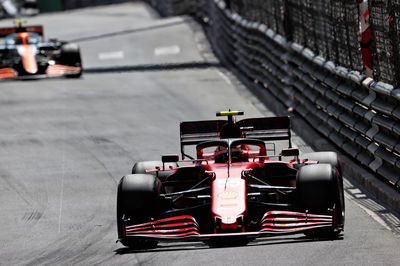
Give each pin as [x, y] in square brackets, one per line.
[264, 128]
[267, 128]
[35, 28]
[195, 132]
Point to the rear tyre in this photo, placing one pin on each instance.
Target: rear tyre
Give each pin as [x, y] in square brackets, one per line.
[319, 191]
[71, 56]
[141, 167]
[328, 157]
[138, 201]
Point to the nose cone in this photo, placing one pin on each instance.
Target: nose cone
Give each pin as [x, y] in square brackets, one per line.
[28, 54]
[229, 200]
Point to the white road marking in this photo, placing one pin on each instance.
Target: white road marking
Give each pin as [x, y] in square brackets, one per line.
[354, 194]
[370, 213]
[224, 77]
[62, 184]
[111, 55]
[167, 50]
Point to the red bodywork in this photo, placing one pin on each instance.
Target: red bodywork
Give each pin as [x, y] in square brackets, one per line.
[229, 210]
[233, 186]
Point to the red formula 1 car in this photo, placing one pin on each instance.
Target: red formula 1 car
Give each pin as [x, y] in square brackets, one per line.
[24, 54]
[235, 190]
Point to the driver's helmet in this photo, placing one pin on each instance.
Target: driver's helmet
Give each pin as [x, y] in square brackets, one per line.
[23, 38]
[237, 155]
[221, 155]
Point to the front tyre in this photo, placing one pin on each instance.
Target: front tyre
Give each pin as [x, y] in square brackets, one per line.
[137, 202]
[70, 55]
[320, 191]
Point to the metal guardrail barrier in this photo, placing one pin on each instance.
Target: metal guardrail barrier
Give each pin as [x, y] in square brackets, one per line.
[71, 4]
[59, 5]
[384, 16]
[358, 114]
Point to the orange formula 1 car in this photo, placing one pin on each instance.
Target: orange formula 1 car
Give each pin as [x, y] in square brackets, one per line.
[234, 189]
[25, 54]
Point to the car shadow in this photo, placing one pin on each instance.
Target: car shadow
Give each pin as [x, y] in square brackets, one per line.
[172, 247]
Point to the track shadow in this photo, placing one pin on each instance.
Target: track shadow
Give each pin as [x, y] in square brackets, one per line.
[124, 32]
[170, 247]
[152, 67]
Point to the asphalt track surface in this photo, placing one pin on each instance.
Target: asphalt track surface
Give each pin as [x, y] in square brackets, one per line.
[65, 143]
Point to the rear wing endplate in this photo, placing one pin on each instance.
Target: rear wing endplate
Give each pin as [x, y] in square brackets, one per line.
[264, 128]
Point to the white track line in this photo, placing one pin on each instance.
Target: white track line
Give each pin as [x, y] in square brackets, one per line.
[111, 55]
[167, 50]
[370, 213]
[225, 77]
[353, 194]
[62, 185]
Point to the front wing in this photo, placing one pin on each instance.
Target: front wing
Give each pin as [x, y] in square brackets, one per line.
[185, 227]
[56, 70]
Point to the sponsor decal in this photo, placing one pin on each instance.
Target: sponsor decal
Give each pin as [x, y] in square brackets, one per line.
[228, 195]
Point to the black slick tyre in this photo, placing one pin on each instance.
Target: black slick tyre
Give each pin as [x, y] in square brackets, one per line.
[137, 202]
[71, 56]
[141, 167]
[328, 157]
[319, 191]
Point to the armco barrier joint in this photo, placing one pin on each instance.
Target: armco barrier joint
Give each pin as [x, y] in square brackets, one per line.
[381, 87]
[329, 65]
[356, 76]
[362, 141]
[374, 165]
[367, 82]
[296, 47]
[262, 28]
[396, 94]
[348, 133]
[348, 120]
[361, 127]
[372, 147]
[332, 81]
[396, 113]
[370, 98]
[396, 128]
[397, 149]
[345, 89]
[270, 34]
[320, 61]
[361, 111]
[308, 54]
[342, 72]
[382, 106]
[372, 132]
[359, 95]
[320, 74]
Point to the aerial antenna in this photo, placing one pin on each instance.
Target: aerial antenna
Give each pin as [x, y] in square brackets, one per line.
[230, 114]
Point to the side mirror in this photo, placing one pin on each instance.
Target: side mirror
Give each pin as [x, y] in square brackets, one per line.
[290, 152]
[170, 158]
